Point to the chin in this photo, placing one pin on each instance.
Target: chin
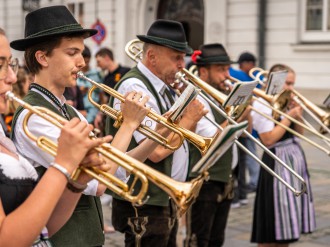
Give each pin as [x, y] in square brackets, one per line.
[3, 107]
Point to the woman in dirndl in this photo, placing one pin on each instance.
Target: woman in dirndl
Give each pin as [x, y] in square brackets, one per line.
[279, 216]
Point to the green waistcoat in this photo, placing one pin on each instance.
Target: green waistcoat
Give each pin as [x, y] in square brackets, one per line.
[221, 170]
[157, 196]
[85, 227]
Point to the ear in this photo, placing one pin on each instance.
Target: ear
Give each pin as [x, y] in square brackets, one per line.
[151, 54]
[41, 58]
[203, 71]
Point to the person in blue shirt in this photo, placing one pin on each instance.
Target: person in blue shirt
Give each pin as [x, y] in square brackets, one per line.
[246, 62]
[84, 86]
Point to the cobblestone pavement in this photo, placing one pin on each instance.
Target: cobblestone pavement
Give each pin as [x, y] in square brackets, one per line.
[239, 222]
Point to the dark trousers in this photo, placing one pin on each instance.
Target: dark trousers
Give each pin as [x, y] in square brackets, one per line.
[239, 174]
[153, 225]
[207, 218]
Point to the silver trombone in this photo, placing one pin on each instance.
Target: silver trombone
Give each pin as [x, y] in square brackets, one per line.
[193, 80]
[278, 103]
[320, 116]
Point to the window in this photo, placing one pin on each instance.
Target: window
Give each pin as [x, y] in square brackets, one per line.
[77, 9]
[316, 21]
[190, 13]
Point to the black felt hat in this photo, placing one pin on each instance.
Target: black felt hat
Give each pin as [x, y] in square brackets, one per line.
[167, 33]
[211, 54]
[44, 23]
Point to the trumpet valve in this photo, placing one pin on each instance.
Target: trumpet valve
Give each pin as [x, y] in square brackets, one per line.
[119, 120]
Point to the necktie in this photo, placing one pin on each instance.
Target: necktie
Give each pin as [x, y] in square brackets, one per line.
[170, 100]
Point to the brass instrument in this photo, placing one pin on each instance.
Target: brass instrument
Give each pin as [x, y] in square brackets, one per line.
[219, 98]
[269, 99]
[202, 143]
[232, 111]
[278, 104]
[320, 116]
[112, 183]
[117, 115]
[258, 76]
[182, 193]
[134, 50]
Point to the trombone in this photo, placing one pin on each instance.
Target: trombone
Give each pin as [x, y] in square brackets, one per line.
[134, 50]
[278, 104]
[192, 79]
[182, 193]
[320, 116]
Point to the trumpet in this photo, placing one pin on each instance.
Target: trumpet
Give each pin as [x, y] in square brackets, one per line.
[218, 97]
[117, 115]
[182, 193]
[202, 143]
[110, 181]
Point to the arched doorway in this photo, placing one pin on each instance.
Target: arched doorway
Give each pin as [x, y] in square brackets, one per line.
[190, 13]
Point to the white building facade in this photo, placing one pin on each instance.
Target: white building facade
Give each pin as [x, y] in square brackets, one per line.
[294, 32]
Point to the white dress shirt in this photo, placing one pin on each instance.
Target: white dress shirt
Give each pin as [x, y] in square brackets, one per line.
[260, 123]
[40, 127]
[206, 128]
[180, 156]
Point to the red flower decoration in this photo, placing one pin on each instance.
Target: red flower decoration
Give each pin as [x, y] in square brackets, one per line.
[195, 54]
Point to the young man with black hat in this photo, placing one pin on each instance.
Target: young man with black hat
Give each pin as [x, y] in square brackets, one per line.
[53, 46]
[155, 223]
[207, 217]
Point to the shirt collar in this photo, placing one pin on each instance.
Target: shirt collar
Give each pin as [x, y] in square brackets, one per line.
[2, 132]
[157, 83]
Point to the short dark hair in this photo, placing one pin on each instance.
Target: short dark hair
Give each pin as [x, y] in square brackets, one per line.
[46, 46]
[2, 32]
[246, 57]
[105, 52]
[86, 52]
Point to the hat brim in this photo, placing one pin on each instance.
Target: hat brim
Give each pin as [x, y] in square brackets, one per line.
[168, 43]
[23, 44]
[221, 63]
[221, 60]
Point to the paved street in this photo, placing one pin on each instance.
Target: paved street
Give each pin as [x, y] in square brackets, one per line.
[239, 223]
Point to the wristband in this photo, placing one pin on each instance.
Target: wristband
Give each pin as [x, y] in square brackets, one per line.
[72, 185]
[62, 170]
[76, 187]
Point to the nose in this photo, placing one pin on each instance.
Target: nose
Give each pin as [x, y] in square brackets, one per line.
[11, 77]
[81, 62]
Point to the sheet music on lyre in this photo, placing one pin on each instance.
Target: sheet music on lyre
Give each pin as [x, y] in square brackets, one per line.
[326, 102]
[240, 93]
[223, 142]
[188, 95]
[276, 81]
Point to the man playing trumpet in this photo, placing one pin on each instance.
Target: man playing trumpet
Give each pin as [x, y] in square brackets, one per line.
[53, 48]
[155, 223]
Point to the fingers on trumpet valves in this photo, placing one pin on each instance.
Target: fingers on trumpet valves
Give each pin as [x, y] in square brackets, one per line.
[138, 98]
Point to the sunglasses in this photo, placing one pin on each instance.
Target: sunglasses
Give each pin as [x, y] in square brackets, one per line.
[5, 64]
